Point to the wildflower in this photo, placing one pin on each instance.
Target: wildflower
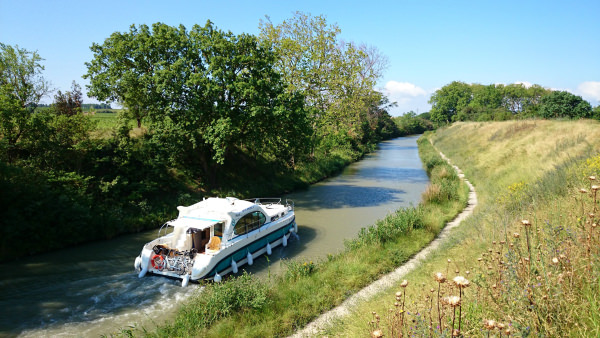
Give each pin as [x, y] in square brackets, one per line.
[516, 235]
[439, 277]
[583, 191]
[489, 324]
[398, 294]
[453, 301]
[377, 333]
[479, 259]
[456, 333]
[404, 283]
[555, 260]
[526, 222]
[461, 282]
[500, 326]
[592, 178]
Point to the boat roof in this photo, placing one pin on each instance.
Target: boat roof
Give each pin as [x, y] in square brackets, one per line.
[211, 211]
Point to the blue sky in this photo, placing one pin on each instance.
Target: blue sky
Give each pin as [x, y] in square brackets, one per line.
[429, 44]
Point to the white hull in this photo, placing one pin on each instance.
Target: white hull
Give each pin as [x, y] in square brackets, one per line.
[174, 255]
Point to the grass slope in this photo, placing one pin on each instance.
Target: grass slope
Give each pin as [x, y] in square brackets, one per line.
[530, 251]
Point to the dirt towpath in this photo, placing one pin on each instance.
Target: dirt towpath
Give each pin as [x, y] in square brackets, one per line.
[315, 327]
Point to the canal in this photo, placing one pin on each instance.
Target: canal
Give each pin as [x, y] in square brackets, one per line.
[91, 290]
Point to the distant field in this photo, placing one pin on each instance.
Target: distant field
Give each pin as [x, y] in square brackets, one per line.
[106, 119]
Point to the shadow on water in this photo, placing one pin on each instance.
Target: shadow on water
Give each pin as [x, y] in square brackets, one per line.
[345, 196]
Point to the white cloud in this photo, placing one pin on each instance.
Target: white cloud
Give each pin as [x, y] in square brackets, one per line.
[408, 96]
[404, 89]
[525, 84]
[589, 90]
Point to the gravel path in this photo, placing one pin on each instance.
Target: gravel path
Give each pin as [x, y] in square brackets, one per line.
[387, 281]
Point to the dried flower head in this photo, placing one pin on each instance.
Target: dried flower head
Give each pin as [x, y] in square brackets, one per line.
[583, 191]
[554, 260]
[461, 282]
[439, 277]
[404, 283]
[398, 294]
[516, 235]
[453, 301]
[526, 223]
[489, 324]
[500, 326]
[377, 333]
[592, 178]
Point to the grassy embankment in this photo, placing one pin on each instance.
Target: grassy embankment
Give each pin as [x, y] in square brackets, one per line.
[530, 251]
[247, 307]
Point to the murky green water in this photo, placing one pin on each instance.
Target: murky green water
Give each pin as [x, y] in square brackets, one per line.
[92, 289]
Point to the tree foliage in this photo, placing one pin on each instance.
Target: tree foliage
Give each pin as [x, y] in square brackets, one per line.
[69, 103]
[564, 104]
[337, 78]
[459, 101]
[447, 101]
[203, 90]
[21, 88]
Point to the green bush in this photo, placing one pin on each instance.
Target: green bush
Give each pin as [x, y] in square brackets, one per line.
[219, 300]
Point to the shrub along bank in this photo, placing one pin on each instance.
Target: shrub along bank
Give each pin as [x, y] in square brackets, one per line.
[286, 302]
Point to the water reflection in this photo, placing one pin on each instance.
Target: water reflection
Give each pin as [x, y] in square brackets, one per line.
[337, 196]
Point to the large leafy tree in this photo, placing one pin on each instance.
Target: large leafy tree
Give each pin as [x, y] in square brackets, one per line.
[447, 101]
[564, 104]
[21, 88]
[204, 92]
[336, 78]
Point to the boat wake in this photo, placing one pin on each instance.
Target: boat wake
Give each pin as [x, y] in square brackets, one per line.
[107, 305]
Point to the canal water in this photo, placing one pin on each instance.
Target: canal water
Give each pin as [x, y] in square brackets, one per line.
[93, 290]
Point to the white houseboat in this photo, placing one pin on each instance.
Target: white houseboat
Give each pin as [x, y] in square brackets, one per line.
[216, 236]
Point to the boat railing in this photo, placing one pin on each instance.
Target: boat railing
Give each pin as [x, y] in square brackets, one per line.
[165, 226]
[272, 200]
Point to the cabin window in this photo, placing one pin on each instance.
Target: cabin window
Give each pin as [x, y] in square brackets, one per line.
[249, 222]
[218, 229]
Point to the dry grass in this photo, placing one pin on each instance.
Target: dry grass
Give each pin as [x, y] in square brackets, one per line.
[543, 281]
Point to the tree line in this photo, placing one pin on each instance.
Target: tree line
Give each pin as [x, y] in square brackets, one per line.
[459, 101]
[215, 113]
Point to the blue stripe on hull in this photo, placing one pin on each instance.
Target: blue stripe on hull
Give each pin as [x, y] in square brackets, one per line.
[252, 247]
